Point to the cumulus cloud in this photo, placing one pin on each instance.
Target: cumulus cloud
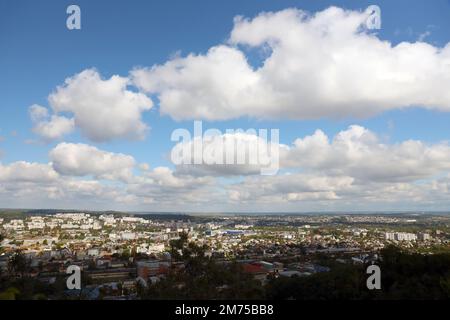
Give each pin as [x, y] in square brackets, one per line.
[25, 184]
[359, 153]
[76, 175]
[38, 113]
[23, 171]
[356, 152]
[237, 153]
[103, 109]
[41, 185]
[354, 169]
[73, 178]
[162, 186]
[319, 65]
[304, 192]
[50, 127]
[83, 160]
[212, 86]
[290, 187]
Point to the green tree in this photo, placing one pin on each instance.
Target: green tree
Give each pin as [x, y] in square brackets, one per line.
[9, 294]
[18, 264]
[194, 275]
[404, 276]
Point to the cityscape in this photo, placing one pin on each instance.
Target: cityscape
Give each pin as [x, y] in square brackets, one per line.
[224, 158]
[125, 256]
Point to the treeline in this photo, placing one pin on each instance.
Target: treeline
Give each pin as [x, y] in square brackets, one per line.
[194, 275]
[404, 276]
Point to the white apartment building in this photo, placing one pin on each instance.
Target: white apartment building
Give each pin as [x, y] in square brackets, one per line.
[389, 236]
[134, 220]
[243, 226]
[156, 248]
[424, 236]
[152, 248]
[51, 225]
[108, 220]
[96, 226]
[400, 236]
[86, 226]
[93, 252]
[128, 235]
[36, 225]
[73, 216]
[14, 225]
[70, 226]
[404, 236]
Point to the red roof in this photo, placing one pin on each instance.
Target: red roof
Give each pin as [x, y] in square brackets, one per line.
[253, 268]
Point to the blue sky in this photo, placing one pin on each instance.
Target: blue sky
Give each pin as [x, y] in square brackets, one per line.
[37, 52]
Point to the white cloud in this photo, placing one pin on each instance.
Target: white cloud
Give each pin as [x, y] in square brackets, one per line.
[356, 152]
[291, 187]
[214, 86]
[23, 171]
[82, 160]
[321, 65]
[163, 187]
[40, 185]
[237, 153]
[63, 192]
[103, 109]
[50, 127]
[353, 170]
[38, 113]
[306, 192]
[24, 184]
[359, 153]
